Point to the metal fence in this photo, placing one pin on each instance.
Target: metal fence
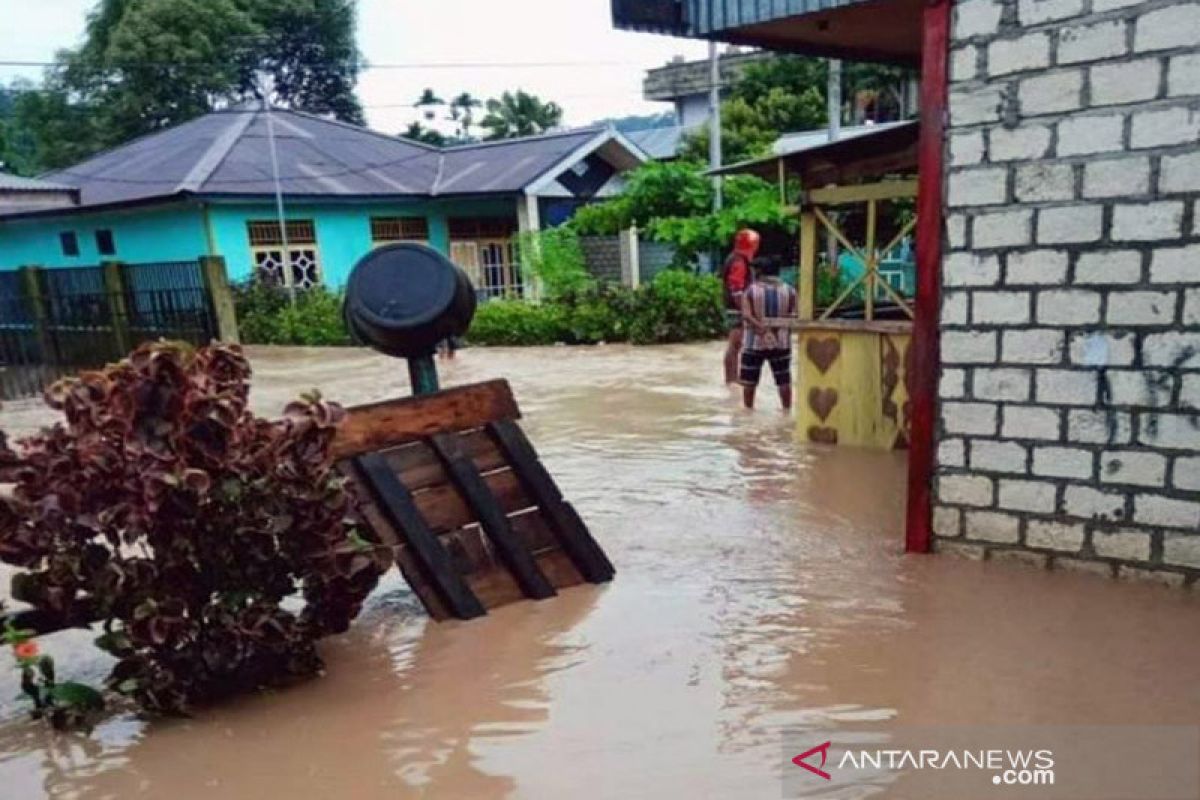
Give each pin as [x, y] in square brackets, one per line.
[54, 322]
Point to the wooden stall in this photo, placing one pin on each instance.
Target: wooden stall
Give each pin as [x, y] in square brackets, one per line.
[851, 360]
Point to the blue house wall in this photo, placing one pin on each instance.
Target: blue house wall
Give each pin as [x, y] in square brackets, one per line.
[164, 233]
[188, 230]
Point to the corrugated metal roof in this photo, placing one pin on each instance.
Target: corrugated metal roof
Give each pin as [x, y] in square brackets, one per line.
[660, 143]
[227, 153]
[799, 141]
[15, 183]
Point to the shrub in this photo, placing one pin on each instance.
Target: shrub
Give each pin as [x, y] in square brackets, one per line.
[180, 519]
[266, 315]
[555, 259]
[676, 307]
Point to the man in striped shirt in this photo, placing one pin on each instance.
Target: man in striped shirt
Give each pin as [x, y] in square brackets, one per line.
[767, 298]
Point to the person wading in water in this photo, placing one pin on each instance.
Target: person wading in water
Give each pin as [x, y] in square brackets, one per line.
[736, 276]
[768, 298]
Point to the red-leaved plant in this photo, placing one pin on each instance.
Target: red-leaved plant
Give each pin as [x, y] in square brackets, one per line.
[169, 512]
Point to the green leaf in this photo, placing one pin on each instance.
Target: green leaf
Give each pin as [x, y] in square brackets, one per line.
[77, 694]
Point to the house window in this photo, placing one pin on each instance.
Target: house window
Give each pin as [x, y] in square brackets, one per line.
[399, 229]
[105, 244]
[484, 248]
[267, 253]
[69, 242]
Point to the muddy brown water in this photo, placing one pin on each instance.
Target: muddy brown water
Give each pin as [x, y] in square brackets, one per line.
[761, 587]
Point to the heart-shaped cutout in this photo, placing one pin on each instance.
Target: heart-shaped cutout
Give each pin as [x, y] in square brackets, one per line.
[822, 434]
[823, 352]
[822, 401]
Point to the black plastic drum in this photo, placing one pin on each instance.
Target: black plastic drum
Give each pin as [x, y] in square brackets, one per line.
[402, 299]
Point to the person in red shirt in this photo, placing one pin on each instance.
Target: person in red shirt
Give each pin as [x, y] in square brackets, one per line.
[736, 276]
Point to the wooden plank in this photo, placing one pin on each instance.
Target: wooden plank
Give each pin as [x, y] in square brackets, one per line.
[491, 517]
[888, 326]
[445, 507]
[419, 467]
[379, 425]
[861, 193]
[578, 543]
[396, 502]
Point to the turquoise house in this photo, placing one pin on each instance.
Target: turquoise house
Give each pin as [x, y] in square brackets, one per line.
[207, 188]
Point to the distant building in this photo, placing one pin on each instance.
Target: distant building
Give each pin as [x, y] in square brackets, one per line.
[205, 187]
[23, 194]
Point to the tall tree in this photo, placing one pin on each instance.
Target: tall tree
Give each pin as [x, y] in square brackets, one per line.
[419, 133]
[428, 102]
[462, 111]
[148, 64]
[520, 114]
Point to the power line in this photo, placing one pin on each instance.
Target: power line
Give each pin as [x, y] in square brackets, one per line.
[362, 66]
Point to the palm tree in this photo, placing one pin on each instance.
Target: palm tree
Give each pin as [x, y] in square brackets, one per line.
[464, 106]
[520, 114]
[420, 133]
[429, 101]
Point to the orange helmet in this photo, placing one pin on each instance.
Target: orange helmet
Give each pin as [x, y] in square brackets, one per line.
[745, 242]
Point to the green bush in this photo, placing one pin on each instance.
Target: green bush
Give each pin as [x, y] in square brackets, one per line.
[676, 307]
[266, 315]
[554, 258]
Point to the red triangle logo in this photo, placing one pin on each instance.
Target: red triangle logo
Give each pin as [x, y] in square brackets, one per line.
[823, 749]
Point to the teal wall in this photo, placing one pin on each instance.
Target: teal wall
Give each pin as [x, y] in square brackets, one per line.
[343, 229]
[178, 232]
[169, 233]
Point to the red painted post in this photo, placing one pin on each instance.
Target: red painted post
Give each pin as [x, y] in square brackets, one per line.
[923, 363]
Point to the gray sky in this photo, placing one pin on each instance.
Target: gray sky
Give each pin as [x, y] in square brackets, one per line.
[439, 31]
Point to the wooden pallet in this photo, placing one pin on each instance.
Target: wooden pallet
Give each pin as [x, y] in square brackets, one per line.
[450, 482]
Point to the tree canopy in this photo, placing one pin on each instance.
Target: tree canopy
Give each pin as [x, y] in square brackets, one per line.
[145, 65]
[519, 114]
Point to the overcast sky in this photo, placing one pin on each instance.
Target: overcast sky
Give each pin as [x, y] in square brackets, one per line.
[439, 31]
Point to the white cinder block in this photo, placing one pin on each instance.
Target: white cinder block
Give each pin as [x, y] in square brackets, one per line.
[1037, 346]
[954, 308]
[1025, 143]
[964, 63]
[1182, 549]
[1005, 56]
[991, 526]
[1068, 307]
[1163, 127]
[1103, 348]
[1001, 229]
[1054, 536]
[1070, 387]
[1050, 93]
[1108, 267]
[1035, 496]
[1116, 177]
[1069, 224]
[1001, 383]
[1165, 28]
[947, 521]
[1031, 12]
[977, 187]
[1175, 264]
[1125, 544]
[966, 268]
[1180, 173]
[966, 148]
[1098, 133]
[976, 18]
[952, 385]
[1036, 266]
[965, 490]
[1137, 467]
[1030, 422]
[991, 456]
[1183, 75]
[968, 347]
[1175, 349]
[970, 105]
[1141, 308]
[1153, 509]
[1147, 221]
[1000, 308]
[1140, 388]
[1091, 42]
[1043, 182]
[1062, 462]
[1169, 431]
[977, 419]
[952, 453]
[1128, 82]
[1099, 427]
[1185, 473]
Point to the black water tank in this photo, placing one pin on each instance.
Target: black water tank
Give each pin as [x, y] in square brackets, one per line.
[402, 299]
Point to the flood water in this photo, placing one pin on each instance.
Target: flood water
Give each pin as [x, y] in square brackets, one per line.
[760, 588]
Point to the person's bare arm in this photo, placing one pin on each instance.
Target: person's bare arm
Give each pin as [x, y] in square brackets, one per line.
[748, 314]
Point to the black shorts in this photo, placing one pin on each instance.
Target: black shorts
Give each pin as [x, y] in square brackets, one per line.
[752, 364]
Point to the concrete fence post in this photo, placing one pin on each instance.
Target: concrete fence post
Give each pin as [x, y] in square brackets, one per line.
[35, 300]
[216, 283]
[118, 309]
[631, 270]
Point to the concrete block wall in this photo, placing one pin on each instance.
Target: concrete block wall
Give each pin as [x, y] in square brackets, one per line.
[1069, 430]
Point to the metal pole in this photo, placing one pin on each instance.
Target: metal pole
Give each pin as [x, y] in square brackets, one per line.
[833, 92]
[714, 121]
[279, 213]
[422, 374]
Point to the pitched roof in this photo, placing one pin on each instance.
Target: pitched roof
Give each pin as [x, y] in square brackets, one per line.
[227, 153]
[15, 183]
